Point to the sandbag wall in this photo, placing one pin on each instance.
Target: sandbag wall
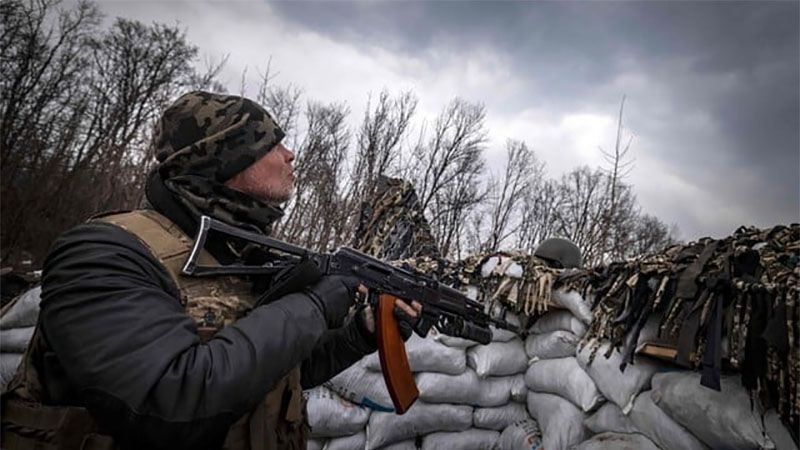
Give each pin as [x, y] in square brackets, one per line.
[471, 397]
[17, 322]
[551, 388]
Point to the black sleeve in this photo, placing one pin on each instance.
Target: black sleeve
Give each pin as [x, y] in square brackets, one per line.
[337, 350]
[112, 316]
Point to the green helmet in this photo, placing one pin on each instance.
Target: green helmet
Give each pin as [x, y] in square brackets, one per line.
[559, 252]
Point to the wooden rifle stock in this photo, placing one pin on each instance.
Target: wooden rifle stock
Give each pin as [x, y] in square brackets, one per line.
[392, 353]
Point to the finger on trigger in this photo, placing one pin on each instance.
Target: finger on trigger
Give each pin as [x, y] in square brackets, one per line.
[416, 305]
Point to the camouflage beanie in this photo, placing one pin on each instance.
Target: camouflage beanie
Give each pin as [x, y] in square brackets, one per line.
[213, 135]
[202, 141]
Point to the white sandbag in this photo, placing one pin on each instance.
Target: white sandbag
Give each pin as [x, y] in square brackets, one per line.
[619, 387]
[502, 335]
[558, 320]
[451, 341]
[560, 420]
[426, 355]
[494, 391]
[522, 435]
[410, 444]
[519, 390]
[488, 267]
[442, 388]
[315, 444]
[778, 432]
[565, 378]
[472, 439]
[617, 441]
[420, 419]
[362, 387]
[574, 302]
[556, 344]
[654, 423]
[8, 367]
[332, 416]
[609, 418]
[499, 417]
[498, 358]
[355, 442]
[25, 310]
[721, 419]
[15, 340]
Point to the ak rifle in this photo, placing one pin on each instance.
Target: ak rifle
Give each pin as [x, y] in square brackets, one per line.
[446, 308]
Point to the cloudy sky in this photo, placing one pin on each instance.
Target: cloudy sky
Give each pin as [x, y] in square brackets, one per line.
[713, 88]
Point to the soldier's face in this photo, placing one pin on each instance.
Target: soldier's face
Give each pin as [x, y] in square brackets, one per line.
[270, 179]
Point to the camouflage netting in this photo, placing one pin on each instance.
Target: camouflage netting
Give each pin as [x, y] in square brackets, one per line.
[391, 226]
[740, 293]
[721, 306]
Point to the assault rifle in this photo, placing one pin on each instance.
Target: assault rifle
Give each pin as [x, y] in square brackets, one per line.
[448, 309]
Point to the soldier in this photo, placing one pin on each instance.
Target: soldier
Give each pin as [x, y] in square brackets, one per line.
[130, 353]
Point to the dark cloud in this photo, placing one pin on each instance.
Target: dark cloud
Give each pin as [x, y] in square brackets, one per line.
[727, 74]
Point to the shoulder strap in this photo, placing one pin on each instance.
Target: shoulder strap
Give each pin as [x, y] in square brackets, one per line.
[165, 240]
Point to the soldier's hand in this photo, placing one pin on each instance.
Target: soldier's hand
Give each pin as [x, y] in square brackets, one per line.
[406, 315]
[333, 295]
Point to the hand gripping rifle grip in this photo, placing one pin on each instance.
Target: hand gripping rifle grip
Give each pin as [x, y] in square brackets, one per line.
[392, 353]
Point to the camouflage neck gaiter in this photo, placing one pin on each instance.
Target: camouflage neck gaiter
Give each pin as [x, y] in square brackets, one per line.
[203, 140]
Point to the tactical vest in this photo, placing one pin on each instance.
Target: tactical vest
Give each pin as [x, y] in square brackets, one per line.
[278, 422]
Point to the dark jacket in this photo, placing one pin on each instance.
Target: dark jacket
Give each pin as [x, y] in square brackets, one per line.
[124, 347]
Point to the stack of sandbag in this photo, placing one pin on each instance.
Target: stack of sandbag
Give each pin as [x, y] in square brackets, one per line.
[470, 394]
[561, 393]
[335, 422]
[17, 323]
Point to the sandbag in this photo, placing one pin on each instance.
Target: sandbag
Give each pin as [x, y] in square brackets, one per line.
[609, 418]
[410, 444]
[619, 387]
[426, 355]
[574, 302]
[654, 423]
[442, 388]
[565, 378]
[560, 420]
[25, 310]
[332, 416]
[519, 390]
[8, 367]
[498, 358]
[499, 417]
[558, 320]
[522, 435]
[472, 439]
[315, 444]
[502, 335]
[451, 341]
[617, 441]
[15, 340]
[556, 344]
[354, 442]
[494, 391]
[778, 432]
[362, 387]
[422, 418]
[721, 419]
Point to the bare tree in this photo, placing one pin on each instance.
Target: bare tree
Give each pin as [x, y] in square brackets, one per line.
[317, 211]
[78, 106]
[446, 169]
[620, 166]
[379, 138]
[507, 194]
